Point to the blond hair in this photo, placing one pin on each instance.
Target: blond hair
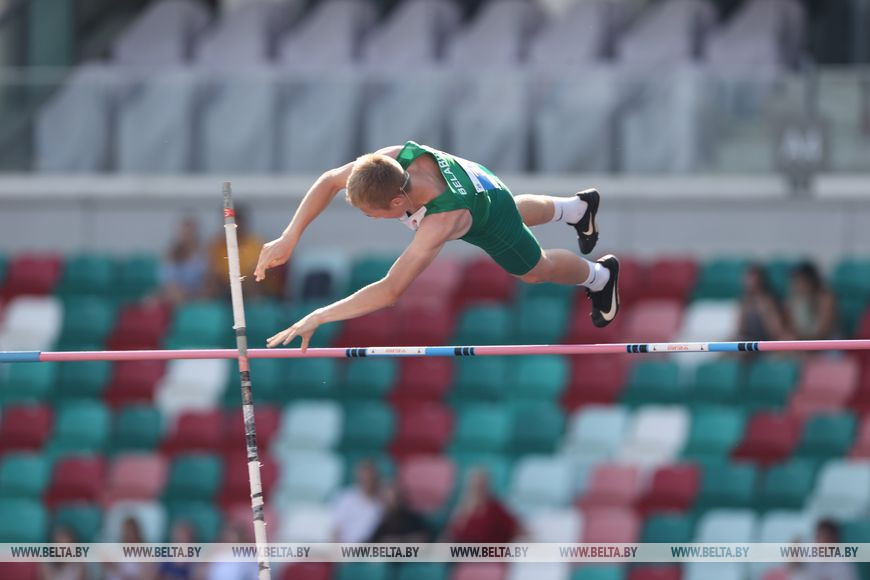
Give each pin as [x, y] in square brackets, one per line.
[374, 181]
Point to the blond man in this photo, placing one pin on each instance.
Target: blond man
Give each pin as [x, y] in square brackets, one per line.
[443, 197]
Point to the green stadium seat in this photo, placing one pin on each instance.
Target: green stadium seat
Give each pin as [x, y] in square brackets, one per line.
[138, 276]
[483, 324]
[80, 427]
[482, 428]
[22, 521]
[851, 278]
[716, 382]
[726, 485]
[479, 379]
[24, 475]
[84, 520]
[850, 310]
[541, 321]
[368, 427]
[82, 380]
[539, 378]
[653, 382]
[565, 293]
[312, 378]
[668, 528]
[205, 519]
[193, 477]
[769, 383]
[369, 378]
[856, 531]
[422, 571]
[599, 572]
[28, 383]
[827, 436]
[4, 266]
[537, 428]
[87, 275]
[269, 378]
[720, 279]
[201, 325]
[786, 485]
[264, 318]
[87, 322]
[137, 428]
[364, 571]
[713, 433]
[369, 269]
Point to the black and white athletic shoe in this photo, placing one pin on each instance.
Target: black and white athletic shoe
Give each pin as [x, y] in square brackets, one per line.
[605, 303]
[587, 229]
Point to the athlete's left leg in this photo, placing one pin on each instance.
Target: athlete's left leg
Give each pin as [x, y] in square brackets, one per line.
[578, 211]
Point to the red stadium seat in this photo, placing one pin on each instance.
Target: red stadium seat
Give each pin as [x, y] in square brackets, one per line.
[375, 329]
[655, 573]
[582, 331]
[141, 326]
[307, 571]
[136, 476]
[77, 479]
[612, 485]
[769, 438]
[484, 280]
[423, 428]
[427, 481]
[861, 447]
[610, 526]
[673, 488]
[863, 330]
[670, 279]
[423, 323]
[422, 379]
[478, 571]
[652, 321]
[134, 382]
[826, 385]
[236, 489]
[632, 280]
[35, 274]
[25, 428]
[266, 420]
[20, 571]
[860, 400]
[195, 431]
[595, 380]
[439, 281]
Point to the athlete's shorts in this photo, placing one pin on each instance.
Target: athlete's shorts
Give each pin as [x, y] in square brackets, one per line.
[504, 236]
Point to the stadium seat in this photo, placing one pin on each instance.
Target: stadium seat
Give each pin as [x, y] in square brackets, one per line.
[825, 436]
[203, 517]
[582, 331]
[595, 432]
[537, 427]
[861, 447]
[668, 528]
[87, 275]
[714, 571]
[652, 382]
[363, 571]
[20, 570]
[307, 425]
[541, 378]
[427, 482]
[714, 432]
[76, 479]
[422, 379]
[483, 323]
[540, 481]
[553, 526]
[375, 329]
[479, 379]
[851, 277]
[540, 321]
[25, 428]
[200, 325]
[266, 421]
[842, 490]
[150, 516]
[87, 322]
[28, 383]
[610, 526]
[310, 379]
[652, 572]
[308, 570]
[141, 326]
[193, 477]
[860, 400]
[24, 475]
[826, 385]
[482, 428]
[612, 486]
[368, 269]
[135, 477]
[484, 280]
[269, 379]
[599, 572]
[307, 477]
[566, 293]
[670, 279]
[673, 488]
[23, 520]
[367, 427]
[194, 432]
[82, 381]
[709, 320]
[191, 385]
[31, 323]
[307, 523]
[770, 383]
[236, 488]
[652, 321]
[260, 319]
[32, 274]
[655, 435]
[84, 520]
[329, 334]
[422, 428]
[432, 322]
[595, 380]
[422, 571]
[137, 277]
[730, 526]
[720, 279]
[769, 438]
[782, 527]
[786, 485]
[478, 571]
[538, 570]
[81, 427]
[727, 485]
[716, 382]
[137, 428]
[369, 378]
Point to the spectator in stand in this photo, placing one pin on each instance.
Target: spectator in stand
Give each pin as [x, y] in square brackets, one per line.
[182, 533]
[183, 273]
[232, 533]
[399, 523]
[63, 570]
[480, 517]
[131, 533]
[249, 252]
[358, 509]
[827, 532]
[811, 307]
[761, 316]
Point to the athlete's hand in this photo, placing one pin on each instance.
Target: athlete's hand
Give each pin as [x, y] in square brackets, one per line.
[273, 254]
[304, 328]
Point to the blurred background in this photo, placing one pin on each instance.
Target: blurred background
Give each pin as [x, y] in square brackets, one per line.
[730, 140]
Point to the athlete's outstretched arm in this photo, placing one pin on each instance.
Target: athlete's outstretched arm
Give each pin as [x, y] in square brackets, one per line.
[427, 243]
[318, 197]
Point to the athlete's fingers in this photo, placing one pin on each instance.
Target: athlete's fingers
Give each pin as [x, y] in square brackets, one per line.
[276, 339]
[291, 334]
[305, 339]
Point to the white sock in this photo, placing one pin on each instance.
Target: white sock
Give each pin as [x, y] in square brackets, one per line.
[568, 209]
[598, 276]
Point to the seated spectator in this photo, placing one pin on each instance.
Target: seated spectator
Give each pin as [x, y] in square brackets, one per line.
[182, 533]
[827, 532]
[63, 570]
[240, 570]
[399, 522]
[249, 252]
[130, 534]
[761, 316]
[182, 275]
[811, 307]
[358, 509]
[480, 517]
